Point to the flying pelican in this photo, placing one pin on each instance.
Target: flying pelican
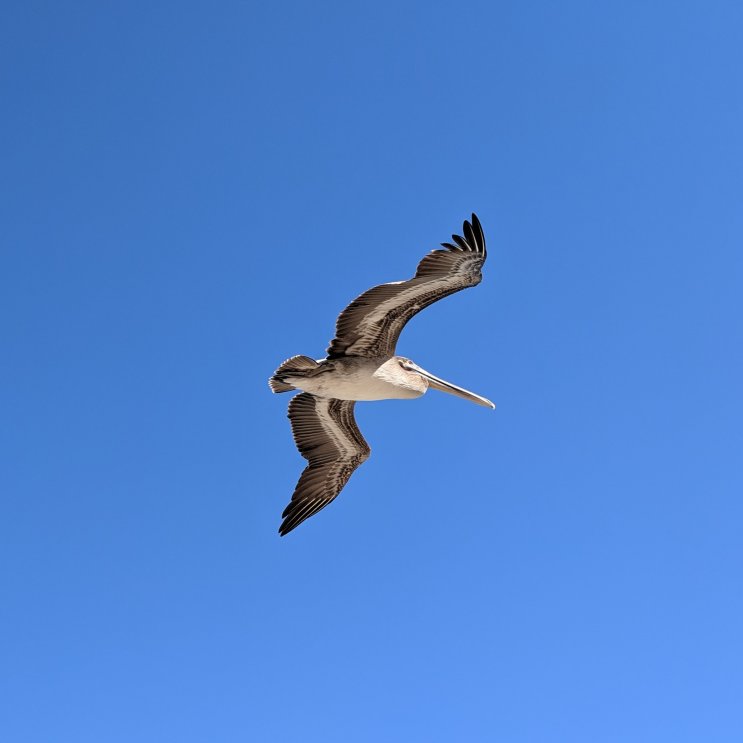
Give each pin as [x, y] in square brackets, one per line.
[362, 365]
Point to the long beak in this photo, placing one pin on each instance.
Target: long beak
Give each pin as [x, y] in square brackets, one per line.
[452, 389]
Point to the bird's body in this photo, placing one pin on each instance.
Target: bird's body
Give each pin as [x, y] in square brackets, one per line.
[359, 378]
[361, 365]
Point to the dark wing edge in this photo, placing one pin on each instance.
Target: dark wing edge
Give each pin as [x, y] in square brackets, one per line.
[473, 240]
[371, 325]
[327, 436]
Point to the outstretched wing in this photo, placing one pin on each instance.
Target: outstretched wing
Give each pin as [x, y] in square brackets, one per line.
[372, 323]
[326, 435]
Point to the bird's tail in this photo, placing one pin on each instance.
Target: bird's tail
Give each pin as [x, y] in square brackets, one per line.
[296, 366]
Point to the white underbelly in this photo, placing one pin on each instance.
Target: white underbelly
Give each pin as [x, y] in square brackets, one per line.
[354, 387]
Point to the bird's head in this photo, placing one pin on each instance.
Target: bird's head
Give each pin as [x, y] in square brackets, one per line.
[410, 367]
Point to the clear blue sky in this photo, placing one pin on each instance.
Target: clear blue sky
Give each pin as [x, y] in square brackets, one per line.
[191, 192]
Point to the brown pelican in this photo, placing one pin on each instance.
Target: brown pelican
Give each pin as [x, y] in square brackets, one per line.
[362, 365]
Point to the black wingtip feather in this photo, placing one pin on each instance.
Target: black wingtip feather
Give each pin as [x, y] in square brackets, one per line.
[473, 239]
[469, 235]
[463, 244]
[474, 234]
[479, 233]
[297, 513]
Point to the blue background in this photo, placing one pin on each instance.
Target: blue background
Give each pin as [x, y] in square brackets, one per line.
[191, 192]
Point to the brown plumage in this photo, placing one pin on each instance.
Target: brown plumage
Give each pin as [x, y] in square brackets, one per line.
[327, 436]
[372, 323]
[361, 365]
